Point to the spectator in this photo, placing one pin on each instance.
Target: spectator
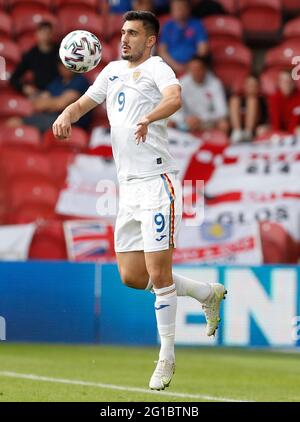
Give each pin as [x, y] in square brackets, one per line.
[284, 105]
[146, 5]
[62, 91]
[182, 37]
[203, 8]
[247, 111]
[41, 60]
[203, 99]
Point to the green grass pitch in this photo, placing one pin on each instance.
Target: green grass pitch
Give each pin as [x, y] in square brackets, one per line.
[208, 373]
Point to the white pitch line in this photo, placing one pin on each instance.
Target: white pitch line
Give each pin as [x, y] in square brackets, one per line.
[115, 387]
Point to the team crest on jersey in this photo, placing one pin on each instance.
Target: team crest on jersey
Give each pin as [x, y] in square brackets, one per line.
[136, 75]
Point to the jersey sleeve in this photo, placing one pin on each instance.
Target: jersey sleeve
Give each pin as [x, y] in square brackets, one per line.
[164, 75]
[97, 91]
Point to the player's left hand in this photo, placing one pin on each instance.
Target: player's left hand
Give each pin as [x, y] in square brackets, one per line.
[142, 130]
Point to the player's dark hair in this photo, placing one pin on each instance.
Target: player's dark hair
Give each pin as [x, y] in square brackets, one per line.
[150, 21]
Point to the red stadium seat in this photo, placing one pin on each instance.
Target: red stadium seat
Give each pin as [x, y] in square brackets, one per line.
[291, 7]
[31, 189]
[223, 31]
[231, 6]
[113, 24]
[15, 162]
[281, 56]
[291, 30]
[277, 245]
[44, 3]
[87, 4]
[10, 51]
[21, 136]
[78, 142]
[108, 53]
[76, 18]
[48, 241]
[223, 26]
[261, 19]
[29, 6]
[2, 4]
[26, 41]
[60, 159]
[29, 213]
[11, 106]
[232, 64]
[5, 25]
[27, 21]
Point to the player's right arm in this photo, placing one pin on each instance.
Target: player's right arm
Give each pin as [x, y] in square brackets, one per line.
[62, 127]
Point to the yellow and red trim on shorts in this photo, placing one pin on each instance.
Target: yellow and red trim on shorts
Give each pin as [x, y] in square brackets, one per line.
[171, 193]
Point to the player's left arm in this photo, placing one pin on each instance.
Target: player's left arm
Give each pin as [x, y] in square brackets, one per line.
[170, 103]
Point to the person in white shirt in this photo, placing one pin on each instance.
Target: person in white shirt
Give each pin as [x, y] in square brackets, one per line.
[141, 92]
[204, 103]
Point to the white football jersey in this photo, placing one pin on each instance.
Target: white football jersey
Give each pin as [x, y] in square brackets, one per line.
[131, 94]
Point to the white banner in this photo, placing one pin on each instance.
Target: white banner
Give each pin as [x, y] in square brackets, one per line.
[15, 241]
[219, 244]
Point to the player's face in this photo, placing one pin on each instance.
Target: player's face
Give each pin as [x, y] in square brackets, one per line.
[135, 41]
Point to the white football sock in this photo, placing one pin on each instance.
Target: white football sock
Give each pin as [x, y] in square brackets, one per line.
[193, 288]
[188, 287]
[165, 310]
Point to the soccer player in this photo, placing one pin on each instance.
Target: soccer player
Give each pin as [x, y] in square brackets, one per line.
[141, 92]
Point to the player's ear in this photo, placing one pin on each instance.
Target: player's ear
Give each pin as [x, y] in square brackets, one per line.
[151, 41]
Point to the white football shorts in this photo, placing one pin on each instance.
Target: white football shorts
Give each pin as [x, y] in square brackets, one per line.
[150, 213]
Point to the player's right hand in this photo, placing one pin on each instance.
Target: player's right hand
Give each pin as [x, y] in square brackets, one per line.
[62, 128]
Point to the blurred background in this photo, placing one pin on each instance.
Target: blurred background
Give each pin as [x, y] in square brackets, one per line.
[238, 132]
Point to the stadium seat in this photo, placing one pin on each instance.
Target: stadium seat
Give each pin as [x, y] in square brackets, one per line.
[113, 24]
[78, 142]
[75, 18]
[10, 51]
[27, 21]
[29, 213]
[27, 136]
[44, 3]
[230, 6]
[31, 189]
[29, 6]
[291, 7]
[277, 245]
[291, 30]
[15, 162]
[281, 56]
[48, 241]
[2, 4]
[5, 25]
[60, 159]
[261, 19]
[232, 64]
[26, 41]
[91, 5]
[108, 53]
[223, 26]
[14, 106]
[223, 31]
